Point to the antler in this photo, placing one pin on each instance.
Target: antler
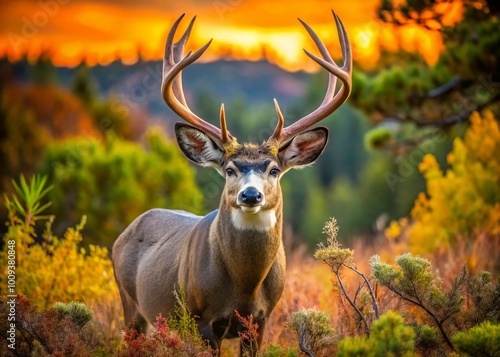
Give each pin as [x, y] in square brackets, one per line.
[331, 101]
[171, 88]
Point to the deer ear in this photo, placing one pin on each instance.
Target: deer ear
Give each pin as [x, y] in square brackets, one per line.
[198, 146]
[304, 148]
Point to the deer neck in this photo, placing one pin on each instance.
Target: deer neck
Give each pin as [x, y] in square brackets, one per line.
[248, 243]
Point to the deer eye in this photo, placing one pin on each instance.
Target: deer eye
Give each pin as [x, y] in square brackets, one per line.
[274, 172]
[230, 172]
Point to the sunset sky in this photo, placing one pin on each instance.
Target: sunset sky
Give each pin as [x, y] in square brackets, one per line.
[102, 30]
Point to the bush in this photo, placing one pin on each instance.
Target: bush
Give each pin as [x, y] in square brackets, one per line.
[114, 181]
[480, 341]
[427, 340]
[313, 331]
[389, 337]
[176, 336]
[413, 282]
[278, 351]
[51, 269]
[77, 311]
[337, 258]
[52, 333]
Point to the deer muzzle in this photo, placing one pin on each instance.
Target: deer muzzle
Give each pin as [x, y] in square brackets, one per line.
[250, 200]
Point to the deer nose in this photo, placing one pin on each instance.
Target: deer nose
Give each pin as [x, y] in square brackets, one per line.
[251, 196]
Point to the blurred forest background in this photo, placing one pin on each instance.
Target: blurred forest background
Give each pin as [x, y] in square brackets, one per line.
[409, 165]
[103, 134]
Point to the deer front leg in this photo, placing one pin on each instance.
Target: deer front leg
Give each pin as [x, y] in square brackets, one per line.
[207, 333]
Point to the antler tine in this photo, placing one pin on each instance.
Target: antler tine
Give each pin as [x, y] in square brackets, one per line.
[332, 80]
[178, 51]
[225, 135]
[345, 45]
[331, 101]
[171, 89]
[281, 122]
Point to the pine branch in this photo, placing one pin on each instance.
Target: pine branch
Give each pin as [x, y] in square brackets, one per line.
[448, 121]
[454, 83]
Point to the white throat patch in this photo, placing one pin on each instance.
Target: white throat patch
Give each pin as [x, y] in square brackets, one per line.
[262, 221]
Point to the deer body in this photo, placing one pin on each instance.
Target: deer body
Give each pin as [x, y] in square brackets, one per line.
[172, 250]
[223, 262]
[231, 259]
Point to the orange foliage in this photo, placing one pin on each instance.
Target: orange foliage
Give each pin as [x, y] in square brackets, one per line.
[56, 110]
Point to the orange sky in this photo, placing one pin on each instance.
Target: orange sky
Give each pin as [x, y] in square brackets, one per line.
[102, 30]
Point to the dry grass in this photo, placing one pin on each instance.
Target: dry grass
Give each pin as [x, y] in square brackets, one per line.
[108, 318]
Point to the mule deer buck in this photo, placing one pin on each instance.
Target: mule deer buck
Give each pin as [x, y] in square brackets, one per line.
[232, 258]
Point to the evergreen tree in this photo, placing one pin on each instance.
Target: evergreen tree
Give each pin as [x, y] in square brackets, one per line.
[465, 78]
[83, 86]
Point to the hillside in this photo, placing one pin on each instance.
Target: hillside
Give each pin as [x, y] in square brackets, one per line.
[138, 85]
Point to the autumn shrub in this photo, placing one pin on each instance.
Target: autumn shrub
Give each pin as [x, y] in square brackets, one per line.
[50, 269]
[113, 181]
[483, 293]
[435, 307]
[165, 340]
[415, 283]
[62, 330]
[308, 285]
[464, 201]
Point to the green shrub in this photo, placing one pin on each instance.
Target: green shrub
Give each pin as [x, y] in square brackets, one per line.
[356, 346]
[113, 181]
[278, 351]
[428, 340]
[389, 337]
[182, 321]
[313, 330]
[480, 341]
[413, 282]
[77, 311]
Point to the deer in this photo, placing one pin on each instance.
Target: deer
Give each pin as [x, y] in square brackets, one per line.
[233, 258]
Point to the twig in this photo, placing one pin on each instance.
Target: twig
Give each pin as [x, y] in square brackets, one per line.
[352, 302]
[372, 295]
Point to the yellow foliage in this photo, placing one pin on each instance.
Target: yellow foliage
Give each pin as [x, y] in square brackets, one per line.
[50, 269]
[393, 231]
[465, 200]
